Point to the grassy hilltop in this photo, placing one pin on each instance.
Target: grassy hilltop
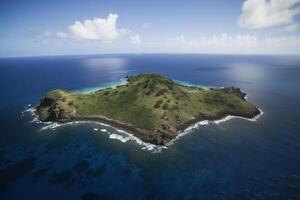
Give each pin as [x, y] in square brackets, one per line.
[150, 106]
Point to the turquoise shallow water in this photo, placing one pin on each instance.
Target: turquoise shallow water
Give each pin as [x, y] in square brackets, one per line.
[237, 159]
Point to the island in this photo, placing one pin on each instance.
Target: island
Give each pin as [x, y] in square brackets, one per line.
[153, 108]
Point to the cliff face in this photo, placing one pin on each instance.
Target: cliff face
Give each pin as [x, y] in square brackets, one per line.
[150, 106]
[52, 109]
[236, 91]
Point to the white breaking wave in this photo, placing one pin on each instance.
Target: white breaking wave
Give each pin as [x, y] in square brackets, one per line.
[206, 122]
[130, 137]
[146, 146]
[119, 137]
[258, 116]
[27, 109]
[31, 110]
[188, 130]
[229, 117]
[52, 126]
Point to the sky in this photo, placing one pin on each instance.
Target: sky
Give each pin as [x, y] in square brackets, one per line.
[72, 27]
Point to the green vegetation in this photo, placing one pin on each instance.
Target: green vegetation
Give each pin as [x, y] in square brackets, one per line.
[165, 106]
[158, 103]
[155, 108]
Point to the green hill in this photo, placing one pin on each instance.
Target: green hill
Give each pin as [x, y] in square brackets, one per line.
[149, 106]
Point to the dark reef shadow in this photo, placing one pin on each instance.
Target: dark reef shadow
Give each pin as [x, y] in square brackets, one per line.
[15, 171]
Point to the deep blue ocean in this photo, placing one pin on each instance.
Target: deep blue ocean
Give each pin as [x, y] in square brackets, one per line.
[236, 159]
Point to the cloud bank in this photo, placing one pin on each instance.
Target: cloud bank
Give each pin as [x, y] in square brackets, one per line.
[237, 44]
[217, 41]
[61, 34]
[258, 14]
[104, 29]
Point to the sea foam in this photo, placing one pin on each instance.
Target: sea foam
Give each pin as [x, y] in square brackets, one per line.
[207, 122]
[119, 137]
[229, 117]
[130, 137]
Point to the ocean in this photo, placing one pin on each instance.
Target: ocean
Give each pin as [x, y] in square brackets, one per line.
[233, 159]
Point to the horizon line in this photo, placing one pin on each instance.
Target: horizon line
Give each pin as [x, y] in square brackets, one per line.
[162, 53]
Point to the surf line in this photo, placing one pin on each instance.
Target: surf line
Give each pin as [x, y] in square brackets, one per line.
[130, 137]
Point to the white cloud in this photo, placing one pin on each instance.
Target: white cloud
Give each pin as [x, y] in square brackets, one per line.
[180, 38]
[268, 13]
[146, 25]
[61, 34]
[47, 33]
[284, 41]
[216, 41]
[97, 29]
[45, 42]
[135, 39]
[292, 27]
[238, 44]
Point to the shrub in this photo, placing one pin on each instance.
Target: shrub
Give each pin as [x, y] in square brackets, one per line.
[165, 106]
[175, 107]
[161, 92]
[151, 86]
[158, 104]
[123, 92]
[170, 85]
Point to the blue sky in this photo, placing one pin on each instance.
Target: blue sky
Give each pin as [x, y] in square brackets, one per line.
[32, 28]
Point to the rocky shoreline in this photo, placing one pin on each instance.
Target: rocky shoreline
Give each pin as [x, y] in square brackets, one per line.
[218, 117]
[150, 136]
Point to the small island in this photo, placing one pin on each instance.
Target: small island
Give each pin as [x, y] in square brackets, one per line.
[150, 106]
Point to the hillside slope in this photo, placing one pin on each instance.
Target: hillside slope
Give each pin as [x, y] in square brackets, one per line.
[150, 106]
